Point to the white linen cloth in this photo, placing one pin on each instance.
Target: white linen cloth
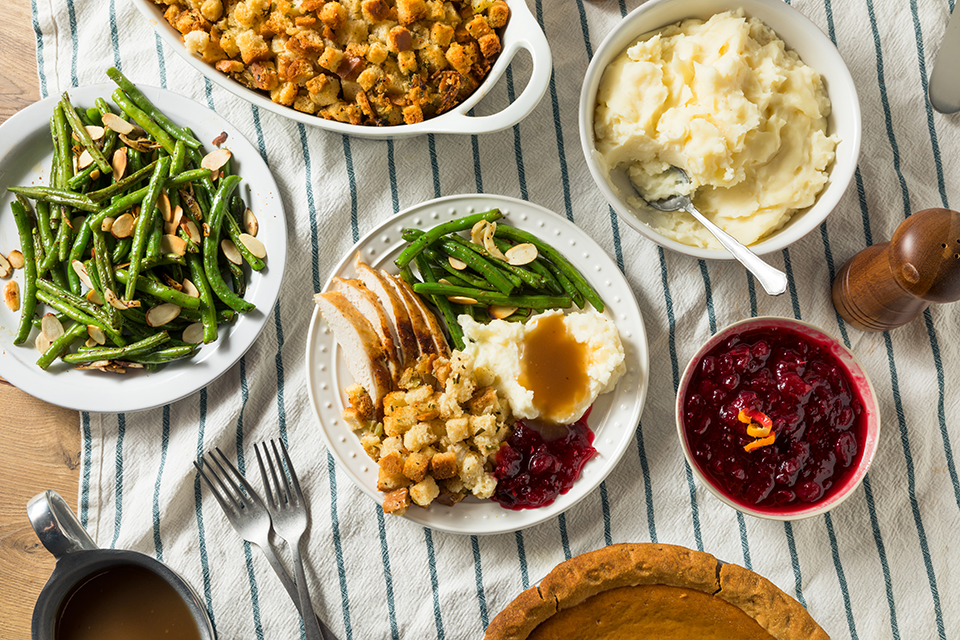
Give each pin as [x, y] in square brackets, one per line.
[879, 566]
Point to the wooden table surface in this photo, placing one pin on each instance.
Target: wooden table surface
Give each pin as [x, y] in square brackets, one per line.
[39, 443]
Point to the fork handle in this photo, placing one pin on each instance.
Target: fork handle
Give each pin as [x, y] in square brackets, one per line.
[274, 561]
[310, 622]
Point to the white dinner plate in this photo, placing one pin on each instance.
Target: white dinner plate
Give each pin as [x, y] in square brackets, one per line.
[614, 417]
[25, 155]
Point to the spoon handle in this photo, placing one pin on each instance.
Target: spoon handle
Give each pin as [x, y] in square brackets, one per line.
[773, 281]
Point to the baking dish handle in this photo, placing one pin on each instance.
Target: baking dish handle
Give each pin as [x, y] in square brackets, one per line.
[534, 41]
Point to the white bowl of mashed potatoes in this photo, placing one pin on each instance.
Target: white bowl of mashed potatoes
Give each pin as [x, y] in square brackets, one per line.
[749, 97]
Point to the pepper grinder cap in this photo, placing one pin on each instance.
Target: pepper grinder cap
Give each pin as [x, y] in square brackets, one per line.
[924, 255]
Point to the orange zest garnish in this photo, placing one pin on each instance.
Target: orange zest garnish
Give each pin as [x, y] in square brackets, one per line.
[759, 426]
[762, 442]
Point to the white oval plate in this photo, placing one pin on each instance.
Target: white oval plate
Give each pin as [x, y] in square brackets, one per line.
[613, 419]
[25, 155]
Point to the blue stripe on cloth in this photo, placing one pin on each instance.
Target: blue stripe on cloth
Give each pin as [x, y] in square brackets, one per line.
[744, 544]
[352, 179]
[841, 577]
[617, 245]
[522, 557]
[261, 145]
[387, 575]
[198, 507]
[434, 165]
[164, 443]
[311, 207]
[478, 576]
[791, 283]
[39, 37]
[118, 479]
[708, 295]
[208, 91]
[882, 552]
[605, 508]
[585, 29]
[87, 460]
[517, 146]
[72, 20]
[161, 61]
[434, 583]
[278, 364]
[114, 36]
[338, 547]
[242, 467]
[941, 408]
[752, 292]
[477, 174]
[555, 103]
[392, 172]
[912, 484]
[918, 34]
[647, 482]
[795, 563]
[564, 538]
[864, 213]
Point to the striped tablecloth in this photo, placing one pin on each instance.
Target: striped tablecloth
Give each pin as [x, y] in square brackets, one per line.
[877, 567]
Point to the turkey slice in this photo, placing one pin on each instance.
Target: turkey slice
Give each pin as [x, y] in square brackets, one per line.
[433, 325]
[397, 316]
[367, 303]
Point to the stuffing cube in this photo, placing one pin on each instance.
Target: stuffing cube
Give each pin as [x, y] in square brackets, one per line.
[396, 502]
[444, 465]
[391, 482]
[418, 437]
[324, 90]
[424, 492]
[252, 47]
[392, 463]
[333, 15]
[409, 11]
[416, 466]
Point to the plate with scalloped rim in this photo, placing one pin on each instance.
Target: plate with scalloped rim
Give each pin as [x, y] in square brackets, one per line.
[614, 416]
[25, 153]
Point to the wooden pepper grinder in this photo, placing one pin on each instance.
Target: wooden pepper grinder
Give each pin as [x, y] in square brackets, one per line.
[887, 285]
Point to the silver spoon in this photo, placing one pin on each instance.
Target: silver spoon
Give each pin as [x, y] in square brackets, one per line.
[773, 281]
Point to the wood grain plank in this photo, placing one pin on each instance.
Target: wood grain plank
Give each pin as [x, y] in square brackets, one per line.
[40, 447]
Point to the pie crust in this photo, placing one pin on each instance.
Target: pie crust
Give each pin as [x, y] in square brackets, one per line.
[628, 565]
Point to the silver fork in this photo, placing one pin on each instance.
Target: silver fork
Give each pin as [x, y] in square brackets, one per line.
[248, 515]
[290, 519]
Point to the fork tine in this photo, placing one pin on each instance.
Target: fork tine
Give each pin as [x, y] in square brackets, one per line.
[228, 508]
[283, 492]
[263, 476]
[253, 498]
[230, 477]
[293, 474]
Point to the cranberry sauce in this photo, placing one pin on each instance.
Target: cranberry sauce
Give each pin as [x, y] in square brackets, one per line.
[815, 410]
[531, 471]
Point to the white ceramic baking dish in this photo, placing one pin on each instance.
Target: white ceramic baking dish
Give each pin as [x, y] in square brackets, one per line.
[521, 33]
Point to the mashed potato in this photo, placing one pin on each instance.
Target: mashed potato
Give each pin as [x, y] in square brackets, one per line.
[497, 351]
[725, 101]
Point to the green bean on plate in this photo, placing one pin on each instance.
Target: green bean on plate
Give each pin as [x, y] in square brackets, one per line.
[110, 259]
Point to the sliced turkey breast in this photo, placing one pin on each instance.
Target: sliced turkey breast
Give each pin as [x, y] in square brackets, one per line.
[436, 331]
[420, 327]
[397, 315]
[367, 303]
[362, 349]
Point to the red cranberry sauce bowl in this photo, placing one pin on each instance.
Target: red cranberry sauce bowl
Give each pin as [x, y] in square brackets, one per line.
[777, 418]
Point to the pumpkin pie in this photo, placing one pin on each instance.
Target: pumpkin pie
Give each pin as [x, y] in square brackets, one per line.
[652, 591]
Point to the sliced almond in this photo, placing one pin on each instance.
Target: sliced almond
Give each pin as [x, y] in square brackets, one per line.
[170, 282]
[94, 298]
[230, 251]
[11, 295]
[5, 268]
[476, 233]
[174, 223]
[253, 245]
[90, 342]
[50, 327]
[96, 334]
[119, 163]
[107, 224]
[193, 333]
[77, 222]
[462, 299]
[95, 174]
[85, 160]
[488, 242]
[206, 230]
[499, 312]
[170, 243]
[445, 281]
[81, 271]
[41, 343]
[192, 231]
[162, 314]
[117, 303]
[521, 254]
[189, 288]
[250, 223]
[215, 159]
[16, 259]
[459, 265]
[94, 131]
[163, 205]
[123, 226]
[142, 145]
[115, 122]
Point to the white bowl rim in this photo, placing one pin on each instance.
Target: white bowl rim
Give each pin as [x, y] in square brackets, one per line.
[522, 32]
[855, 370]
[848, 151]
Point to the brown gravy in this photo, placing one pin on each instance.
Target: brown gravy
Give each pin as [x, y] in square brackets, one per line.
[125, 602]
[554, 366]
